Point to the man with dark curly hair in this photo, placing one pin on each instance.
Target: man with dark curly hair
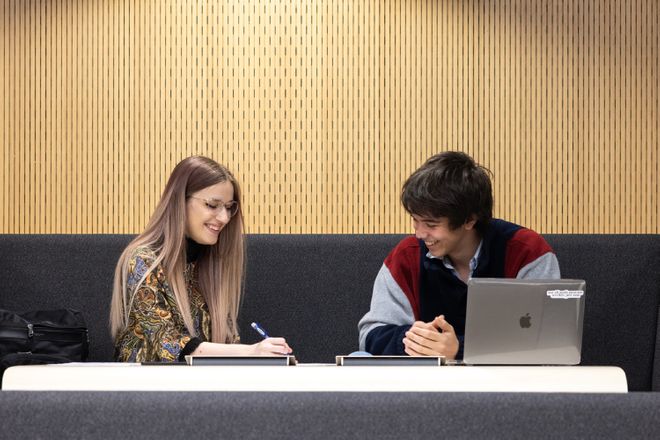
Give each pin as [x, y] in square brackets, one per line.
[420, 294]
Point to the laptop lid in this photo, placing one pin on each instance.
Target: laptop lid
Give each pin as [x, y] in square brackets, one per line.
[524, 322]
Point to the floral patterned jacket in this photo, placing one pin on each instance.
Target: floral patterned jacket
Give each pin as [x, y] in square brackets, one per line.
[156, 331]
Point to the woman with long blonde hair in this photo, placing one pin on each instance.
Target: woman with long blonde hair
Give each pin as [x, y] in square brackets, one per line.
[178, 285]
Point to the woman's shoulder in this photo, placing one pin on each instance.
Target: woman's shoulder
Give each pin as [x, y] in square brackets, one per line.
[140, 260]
[144, 253]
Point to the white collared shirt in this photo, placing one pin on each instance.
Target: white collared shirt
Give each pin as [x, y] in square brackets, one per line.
[447, 262]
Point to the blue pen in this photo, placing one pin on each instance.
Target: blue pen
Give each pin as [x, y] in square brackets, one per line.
[259, 330]
[263, 333]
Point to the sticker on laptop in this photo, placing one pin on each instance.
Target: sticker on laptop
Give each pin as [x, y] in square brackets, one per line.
[565, 294]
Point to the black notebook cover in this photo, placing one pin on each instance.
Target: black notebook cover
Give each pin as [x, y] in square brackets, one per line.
[374, 361]
[241, 360]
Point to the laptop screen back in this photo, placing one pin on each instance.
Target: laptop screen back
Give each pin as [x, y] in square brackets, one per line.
[524, 322]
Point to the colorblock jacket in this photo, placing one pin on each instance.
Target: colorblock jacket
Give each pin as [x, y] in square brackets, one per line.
[411, 286]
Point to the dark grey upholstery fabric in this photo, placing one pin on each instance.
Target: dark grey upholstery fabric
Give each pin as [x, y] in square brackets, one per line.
[41, 272]
[157, 415]
[622, 299]
[321, 285]
[313, 289]
[656, 363]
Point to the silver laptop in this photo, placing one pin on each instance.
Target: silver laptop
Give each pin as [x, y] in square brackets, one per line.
[524, 322]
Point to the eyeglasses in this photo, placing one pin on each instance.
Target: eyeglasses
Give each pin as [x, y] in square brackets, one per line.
[216, 206]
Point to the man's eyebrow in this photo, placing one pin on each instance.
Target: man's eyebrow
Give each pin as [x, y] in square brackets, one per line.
[426, 219]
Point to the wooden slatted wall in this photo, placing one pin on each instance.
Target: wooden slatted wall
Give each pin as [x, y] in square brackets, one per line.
[322, 108]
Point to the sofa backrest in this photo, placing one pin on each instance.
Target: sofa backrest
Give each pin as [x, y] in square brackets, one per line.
[41, 272]
[313, 289]
[623, 295]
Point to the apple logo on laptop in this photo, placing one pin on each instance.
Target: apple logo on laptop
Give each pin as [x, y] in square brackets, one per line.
[526, 321]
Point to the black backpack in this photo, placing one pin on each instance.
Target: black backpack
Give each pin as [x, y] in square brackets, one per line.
[42, 337]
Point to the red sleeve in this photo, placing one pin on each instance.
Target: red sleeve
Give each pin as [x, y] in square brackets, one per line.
[524, 247]
[403, 264]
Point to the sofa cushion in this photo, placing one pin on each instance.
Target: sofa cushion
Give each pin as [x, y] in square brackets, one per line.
[245, 415]
[41, 272]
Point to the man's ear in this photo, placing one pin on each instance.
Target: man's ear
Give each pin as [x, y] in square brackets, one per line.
[469, 225]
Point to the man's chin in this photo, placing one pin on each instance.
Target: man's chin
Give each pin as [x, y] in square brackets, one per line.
[437, 253]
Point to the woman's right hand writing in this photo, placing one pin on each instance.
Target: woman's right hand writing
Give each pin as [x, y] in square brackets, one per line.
[271, 347]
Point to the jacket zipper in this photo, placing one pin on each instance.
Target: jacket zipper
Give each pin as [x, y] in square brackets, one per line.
[18, 332]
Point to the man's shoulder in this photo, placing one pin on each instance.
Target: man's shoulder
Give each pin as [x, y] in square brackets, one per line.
[407, 250]
[406, 246]
[499, 227]
[521, 238]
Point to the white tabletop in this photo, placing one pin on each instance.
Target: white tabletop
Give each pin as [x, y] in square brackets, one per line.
[313, 377]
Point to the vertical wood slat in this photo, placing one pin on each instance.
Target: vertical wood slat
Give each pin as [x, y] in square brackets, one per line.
[4, 114]
[323, 109]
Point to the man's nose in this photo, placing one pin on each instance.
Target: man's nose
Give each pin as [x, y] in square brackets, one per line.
[420, 232]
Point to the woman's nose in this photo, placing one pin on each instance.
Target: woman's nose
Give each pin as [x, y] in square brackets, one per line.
[223, 215]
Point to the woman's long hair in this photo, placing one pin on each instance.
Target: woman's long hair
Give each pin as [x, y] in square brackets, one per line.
[220, 268]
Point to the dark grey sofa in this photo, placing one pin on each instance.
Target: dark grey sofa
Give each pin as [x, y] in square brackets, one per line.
[157, 415]
[313, 289]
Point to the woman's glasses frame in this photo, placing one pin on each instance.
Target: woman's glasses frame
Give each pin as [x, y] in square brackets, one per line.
[215, 205]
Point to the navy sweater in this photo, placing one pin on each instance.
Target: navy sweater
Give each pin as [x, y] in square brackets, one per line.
[412, 287]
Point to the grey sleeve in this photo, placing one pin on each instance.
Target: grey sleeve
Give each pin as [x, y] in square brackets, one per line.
[545, 267]
[389, 305]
